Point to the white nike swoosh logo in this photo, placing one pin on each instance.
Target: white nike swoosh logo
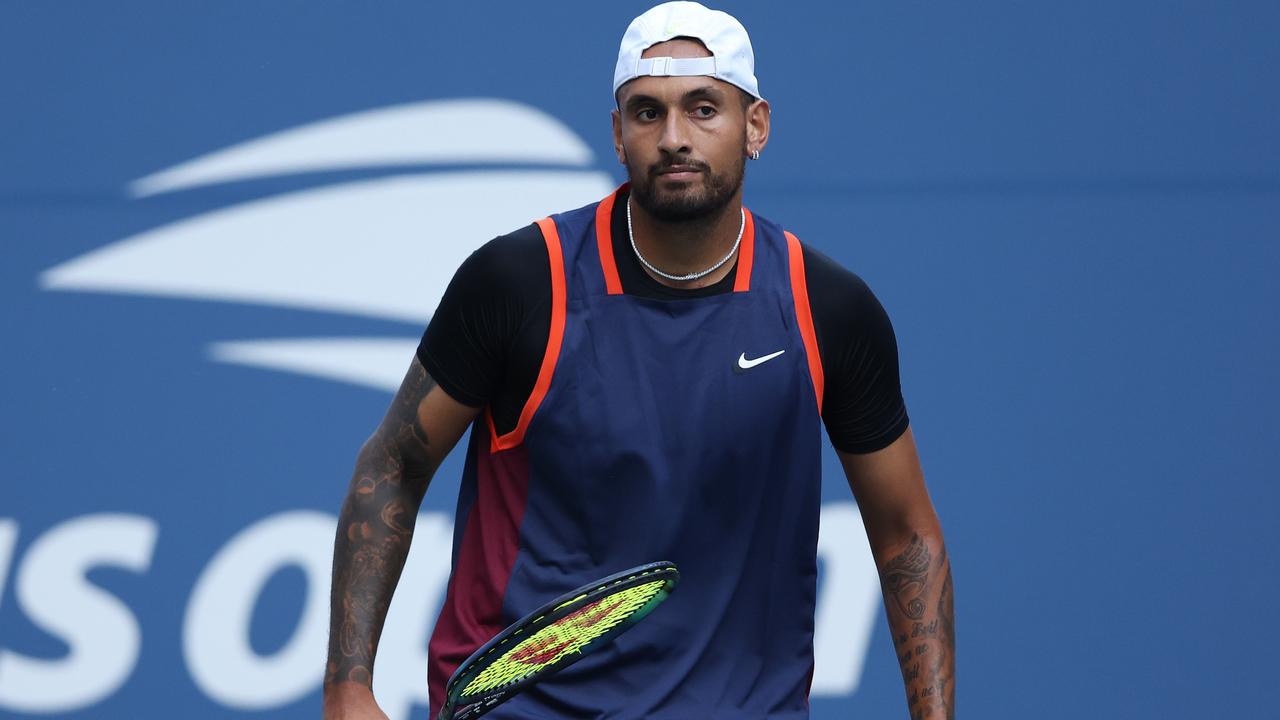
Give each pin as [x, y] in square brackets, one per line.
[746, 364]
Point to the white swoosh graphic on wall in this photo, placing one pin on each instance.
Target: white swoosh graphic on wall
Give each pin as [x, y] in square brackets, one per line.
[383, 247]
[470, 131]
[377, 363]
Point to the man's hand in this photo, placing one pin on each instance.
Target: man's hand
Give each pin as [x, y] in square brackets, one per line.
[351, 701]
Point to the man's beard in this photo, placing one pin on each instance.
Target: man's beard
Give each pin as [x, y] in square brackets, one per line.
[691, 203]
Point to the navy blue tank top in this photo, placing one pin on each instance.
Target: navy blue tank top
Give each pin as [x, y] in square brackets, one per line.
[683, 430]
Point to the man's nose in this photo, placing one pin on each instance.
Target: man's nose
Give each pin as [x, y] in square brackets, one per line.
[675, 135]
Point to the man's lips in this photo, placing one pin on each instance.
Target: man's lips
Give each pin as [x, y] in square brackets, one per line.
[679, 172]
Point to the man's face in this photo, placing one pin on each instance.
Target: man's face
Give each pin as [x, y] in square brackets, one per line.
[683, 139]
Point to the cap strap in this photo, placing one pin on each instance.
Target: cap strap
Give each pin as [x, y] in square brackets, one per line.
[678, 67]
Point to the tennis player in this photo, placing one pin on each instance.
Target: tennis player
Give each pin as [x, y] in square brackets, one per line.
[647, 378]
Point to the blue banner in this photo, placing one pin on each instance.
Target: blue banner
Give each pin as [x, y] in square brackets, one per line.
[226, 225]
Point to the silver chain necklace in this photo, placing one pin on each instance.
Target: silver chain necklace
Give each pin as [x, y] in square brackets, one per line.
[693, 275]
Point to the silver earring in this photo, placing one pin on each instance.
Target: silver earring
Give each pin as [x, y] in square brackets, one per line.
[755, 154]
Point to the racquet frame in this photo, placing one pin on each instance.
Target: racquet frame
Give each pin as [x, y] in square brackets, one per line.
[549, 614]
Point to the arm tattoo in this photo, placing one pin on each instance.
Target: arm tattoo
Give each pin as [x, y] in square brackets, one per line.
[918, 601]
[905, 578]
[374, 531]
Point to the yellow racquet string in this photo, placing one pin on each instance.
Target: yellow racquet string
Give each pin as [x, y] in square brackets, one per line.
[565, 636]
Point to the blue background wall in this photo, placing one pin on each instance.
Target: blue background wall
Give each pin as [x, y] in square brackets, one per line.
[1070, 210]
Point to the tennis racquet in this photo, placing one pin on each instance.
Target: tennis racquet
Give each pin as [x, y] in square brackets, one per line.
[554, 637]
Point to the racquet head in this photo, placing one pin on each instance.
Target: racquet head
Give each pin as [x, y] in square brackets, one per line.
[554, 637]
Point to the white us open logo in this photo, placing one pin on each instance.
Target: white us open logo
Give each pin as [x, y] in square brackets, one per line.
[325, 249]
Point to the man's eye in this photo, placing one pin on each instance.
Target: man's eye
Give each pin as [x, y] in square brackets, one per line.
[705, 111]
[647, 114]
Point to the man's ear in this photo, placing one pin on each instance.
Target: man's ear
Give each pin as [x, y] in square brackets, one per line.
[617, 137]
[758, 114]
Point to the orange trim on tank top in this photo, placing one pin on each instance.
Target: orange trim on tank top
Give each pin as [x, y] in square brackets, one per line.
[551, 236]
[604, 243]
[746, 253]
[804, 318]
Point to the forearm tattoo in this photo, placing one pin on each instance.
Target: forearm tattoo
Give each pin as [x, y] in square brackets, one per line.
[918, 601]
[374, 531]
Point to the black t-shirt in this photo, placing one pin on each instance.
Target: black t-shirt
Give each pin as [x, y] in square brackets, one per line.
[485, 343]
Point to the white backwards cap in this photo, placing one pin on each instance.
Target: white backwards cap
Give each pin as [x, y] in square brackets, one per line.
[732, 59]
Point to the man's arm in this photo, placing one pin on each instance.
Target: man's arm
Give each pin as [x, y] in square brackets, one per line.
[374, 530]
[915, 573]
